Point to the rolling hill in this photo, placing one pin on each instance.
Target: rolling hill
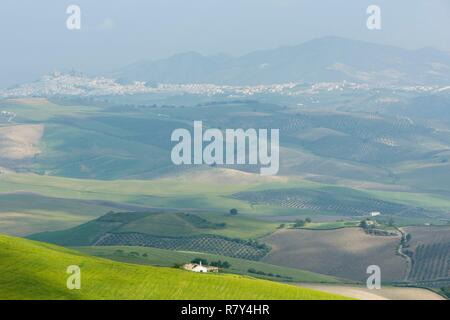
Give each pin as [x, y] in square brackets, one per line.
[33, 270]
[169, 230]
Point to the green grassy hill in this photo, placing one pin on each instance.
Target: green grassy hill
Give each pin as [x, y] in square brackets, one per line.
[165, 230]
[33, 270]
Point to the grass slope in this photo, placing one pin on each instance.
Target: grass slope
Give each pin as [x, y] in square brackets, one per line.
[210, 189]
[32, 270]
[24, 213]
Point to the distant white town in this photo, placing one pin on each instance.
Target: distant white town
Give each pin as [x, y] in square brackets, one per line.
[76, 84]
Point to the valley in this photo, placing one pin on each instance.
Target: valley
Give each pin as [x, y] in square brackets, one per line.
[175, 153]
[94, 174]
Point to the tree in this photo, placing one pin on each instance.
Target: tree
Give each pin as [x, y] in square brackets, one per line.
[391, 222]
[299, 223]
[233, 211]
[261, 273]
[308, 220]
[363, 224]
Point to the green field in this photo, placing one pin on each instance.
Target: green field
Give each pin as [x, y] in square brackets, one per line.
[51, 203]
[25, 213]
[168, 258]
[32, 270]
[33, 110]
[330, 225]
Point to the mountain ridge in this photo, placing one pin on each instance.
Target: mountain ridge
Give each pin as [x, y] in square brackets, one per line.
[326, 59]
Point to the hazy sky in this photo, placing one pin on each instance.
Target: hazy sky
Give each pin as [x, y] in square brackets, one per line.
[35, 40]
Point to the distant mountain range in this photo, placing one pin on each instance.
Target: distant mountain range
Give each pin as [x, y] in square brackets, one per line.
[321, 60]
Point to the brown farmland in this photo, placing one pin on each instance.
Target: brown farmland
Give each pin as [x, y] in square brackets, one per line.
[343, 253]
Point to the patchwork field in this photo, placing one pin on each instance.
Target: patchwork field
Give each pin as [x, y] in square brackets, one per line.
[169, 258]
[65, 163]
[343, 253]
[60, 203]
[110, 139]
[32, 270]
[211, 192]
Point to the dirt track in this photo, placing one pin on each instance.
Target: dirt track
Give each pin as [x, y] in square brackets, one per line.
[386, 293]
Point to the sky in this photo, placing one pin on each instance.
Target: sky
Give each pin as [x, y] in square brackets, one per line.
[35, 40]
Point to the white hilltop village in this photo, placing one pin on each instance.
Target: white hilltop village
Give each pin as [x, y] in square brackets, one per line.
[77, 84]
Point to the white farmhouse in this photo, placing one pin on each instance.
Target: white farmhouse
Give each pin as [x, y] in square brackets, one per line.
[195, 267]
[199, 267]
[375, 213]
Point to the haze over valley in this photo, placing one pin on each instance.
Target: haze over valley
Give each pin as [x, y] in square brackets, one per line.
[364, 175]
